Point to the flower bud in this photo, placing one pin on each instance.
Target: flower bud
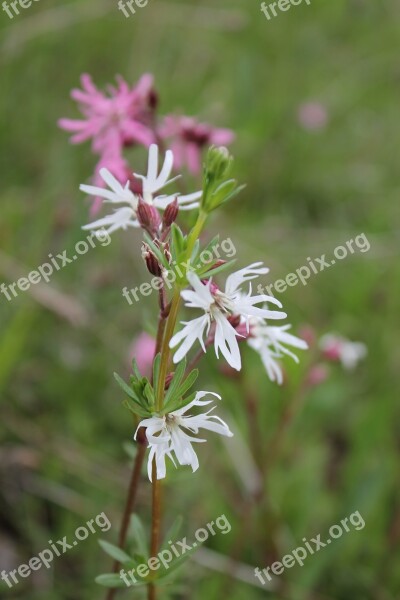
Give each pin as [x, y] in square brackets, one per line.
[148, 216]
[170, 214]
[152, 264]
[217, 189]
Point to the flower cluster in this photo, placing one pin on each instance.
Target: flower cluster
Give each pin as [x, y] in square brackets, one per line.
[229, 315]
[127, 116]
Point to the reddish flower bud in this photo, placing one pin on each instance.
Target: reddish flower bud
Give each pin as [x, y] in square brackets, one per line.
[170, 214]
[152, 264]
[148, 216]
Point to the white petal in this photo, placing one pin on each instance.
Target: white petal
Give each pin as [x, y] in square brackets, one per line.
[96, 191]
[120, 219]
[235, 280]
[211, 423]
[203, 291]
[152, 167]
[196, 402]
[111, 181]
[166, 170]
[192, 331]
[225, 340]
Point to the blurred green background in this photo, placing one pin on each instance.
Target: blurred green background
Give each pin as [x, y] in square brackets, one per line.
[63, 429]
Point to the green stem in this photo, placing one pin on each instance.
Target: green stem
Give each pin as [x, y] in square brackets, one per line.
[195, 233]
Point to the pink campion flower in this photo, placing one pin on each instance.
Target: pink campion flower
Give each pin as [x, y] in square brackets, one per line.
[114, 121]
[142, 350]
[189, 138]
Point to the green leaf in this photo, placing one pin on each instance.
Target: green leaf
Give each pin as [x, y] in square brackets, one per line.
[178, 403]
[218, 269]
[136, 409]
[208, 248]
[195, 252]
[176, 380]
[136, 371]
[187, 384]
[173, 531]
[176, 564]
[110, 580]
[125, 387]
[149, 394]
[178, 241]
[115, 552]
[137, 533]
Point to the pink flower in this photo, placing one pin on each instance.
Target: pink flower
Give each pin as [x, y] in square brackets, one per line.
[112, 121]
[337, 348]
[189, 138]
[142, 350]
[121, 118]
[312, 116]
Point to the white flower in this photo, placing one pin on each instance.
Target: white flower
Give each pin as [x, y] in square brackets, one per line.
[166, 436]
[337, 347]
[268, 342]
[218, 307]
[125, 217]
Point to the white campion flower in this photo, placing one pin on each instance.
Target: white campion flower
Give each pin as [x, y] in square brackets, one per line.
[153, 182]
[218, 306]
[336, 347]
[166, 435]
[268, 342]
